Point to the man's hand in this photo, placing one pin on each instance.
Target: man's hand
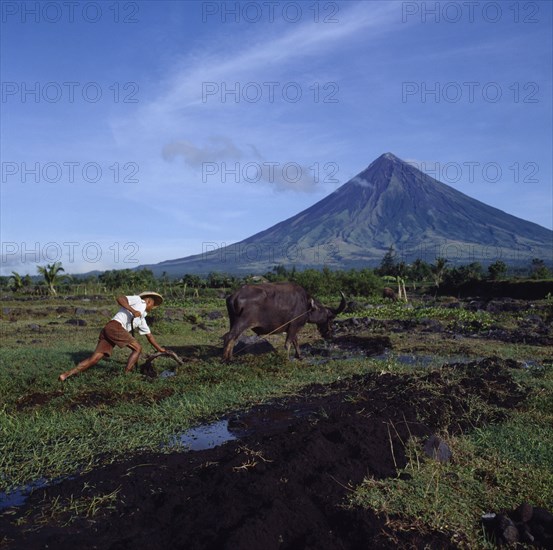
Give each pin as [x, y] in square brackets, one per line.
[152, 341]
[135, 312]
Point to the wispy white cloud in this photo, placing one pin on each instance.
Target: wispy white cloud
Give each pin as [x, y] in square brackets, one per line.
[219, 148]
[221, 157]
[272, 54]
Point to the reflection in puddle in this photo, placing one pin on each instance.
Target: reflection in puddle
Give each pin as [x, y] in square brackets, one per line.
[18, 496]
[415, 360]
[203, 437]
[15, 498]
[410, 359]
[422, 360]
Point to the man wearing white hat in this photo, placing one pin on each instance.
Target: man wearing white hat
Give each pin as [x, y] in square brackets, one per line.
[131, 317]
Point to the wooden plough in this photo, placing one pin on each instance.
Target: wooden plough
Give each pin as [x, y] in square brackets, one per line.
[147, 367]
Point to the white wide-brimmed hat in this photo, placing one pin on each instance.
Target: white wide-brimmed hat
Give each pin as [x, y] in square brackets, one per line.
[158, 298]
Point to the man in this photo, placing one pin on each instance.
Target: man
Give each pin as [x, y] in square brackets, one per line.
[130, 317]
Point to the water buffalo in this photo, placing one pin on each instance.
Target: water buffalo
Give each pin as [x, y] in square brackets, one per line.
[387, 292]
[271, 308]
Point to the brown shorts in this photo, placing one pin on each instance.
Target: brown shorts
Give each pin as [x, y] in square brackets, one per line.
[113, 334]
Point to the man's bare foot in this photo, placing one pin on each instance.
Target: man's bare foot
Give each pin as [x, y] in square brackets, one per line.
[62, 377]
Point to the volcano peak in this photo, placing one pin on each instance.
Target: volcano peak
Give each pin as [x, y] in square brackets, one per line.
[389, 156]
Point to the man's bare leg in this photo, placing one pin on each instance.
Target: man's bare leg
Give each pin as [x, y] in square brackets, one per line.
[133, 357]
[83, 365]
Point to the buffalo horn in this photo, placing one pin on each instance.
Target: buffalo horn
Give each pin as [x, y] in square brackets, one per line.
[342, 305]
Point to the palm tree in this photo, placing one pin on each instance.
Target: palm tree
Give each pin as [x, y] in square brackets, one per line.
[50, 274]
[15, 281]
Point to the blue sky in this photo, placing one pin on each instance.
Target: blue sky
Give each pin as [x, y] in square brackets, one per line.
[137, 132]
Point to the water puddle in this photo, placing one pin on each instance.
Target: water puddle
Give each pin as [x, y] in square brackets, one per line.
[263, 418]
[531, 364]
[422, 360]
[410, 359]
[19, 496]
[203, 437]
[14, 498]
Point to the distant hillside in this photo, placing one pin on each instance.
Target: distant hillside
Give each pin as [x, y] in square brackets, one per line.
[389, 203]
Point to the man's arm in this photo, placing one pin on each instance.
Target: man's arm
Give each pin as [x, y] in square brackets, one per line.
[124, 302]
[152, 341]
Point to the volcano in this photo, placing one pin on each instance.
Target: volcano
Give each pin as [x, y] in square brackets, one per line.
[390, 203]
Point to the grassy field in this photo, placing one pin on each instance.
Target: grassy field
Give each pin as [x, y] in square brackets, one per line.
[495, 469]
[50, 429]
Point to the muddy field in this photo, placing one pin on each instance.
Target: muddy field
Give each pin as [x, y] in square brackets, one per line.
[284, 477]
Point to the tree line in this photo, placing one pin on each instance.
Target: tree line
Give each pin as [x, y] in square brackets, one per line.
[51, 278]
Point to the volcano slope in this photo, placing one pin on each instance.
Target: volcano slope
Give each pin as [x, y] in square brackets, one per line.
[283, 483]
[391, 203]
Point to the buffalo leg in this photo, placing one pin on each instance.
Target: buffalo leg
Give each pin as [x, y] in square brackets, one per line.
[230, 337]
[228, 346]
[288, 345]
[292, 339]
[296, 347]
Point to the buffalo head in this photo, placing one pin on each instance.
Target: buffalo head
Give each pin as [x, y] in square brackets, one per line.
[323, 316]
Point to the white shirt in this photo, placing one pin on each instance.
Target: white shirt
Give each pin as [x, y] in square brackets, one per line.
[125, 317]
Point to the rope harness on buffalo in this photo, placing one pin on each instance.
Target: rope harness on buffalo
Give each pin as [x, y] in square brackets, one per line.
[273, 331]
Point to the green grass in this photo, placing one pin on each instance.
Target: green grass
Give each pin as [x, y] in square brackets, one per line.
[399, 310]
[452, 497]
[493, 468]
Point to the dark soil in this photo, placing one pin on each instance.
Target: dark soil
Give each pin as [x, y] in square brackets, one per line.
[283, 484]
[91, 398]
